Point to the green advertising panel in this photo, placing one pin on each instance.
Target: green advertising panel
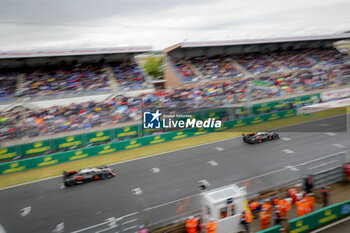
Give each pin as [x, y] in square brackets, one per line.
[77, 154]
[199, 131]
[274, 116]
[70, 141]
[240, 110]
[267, 106]
[127, 131]
[218, 113]
[37, 147]
[274, 229]
[10, 167]
[9, 152]
[262, 83]
[241, 122]
[159, 138]
[99, 136]
[103, 149]
[149, 131]
[261, 108]
[224, 126]
[134, 143]
[289, 113]
[258, 119]
[319, 217]
[181, 134]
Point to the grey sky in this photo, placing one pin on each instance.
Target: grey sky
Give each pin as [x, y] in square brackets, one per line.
[48, 24]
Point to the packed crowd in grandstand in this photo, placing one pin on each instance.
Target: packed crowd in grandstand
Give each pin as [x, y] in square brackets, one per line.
[301, 73]
[8, 82]
[129, 76]
[64, 78]
[257, 63]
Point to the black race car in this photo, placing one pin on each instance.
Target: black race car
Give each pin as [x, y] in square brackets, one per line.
[258, 137]
[86, 175]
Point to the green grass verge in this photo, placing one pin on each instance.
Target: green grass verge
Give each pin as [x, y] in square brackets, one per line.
[50, 171]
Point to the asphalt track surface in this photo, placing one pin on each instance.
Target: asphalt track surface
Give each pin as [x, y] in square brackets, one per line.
[179, 171]
[343, 227]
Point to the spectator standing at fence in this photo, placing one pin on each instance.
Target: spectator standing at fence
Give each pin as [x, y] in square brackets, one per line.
[284, 207]
[192, 225]
[211, 227]
[265, 219]
[325, 196]
[277, 215]
[245, 220]
[300, 208]
[309, 184]
[310, 197]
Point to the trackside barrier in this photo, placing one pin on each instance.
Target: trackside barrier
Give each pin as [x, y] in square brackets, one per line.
[274, 229]
[263, 107]
[174, 211]
[277, 179]
[127, 132]
[320, 217]
[326, 170]
[46, 160]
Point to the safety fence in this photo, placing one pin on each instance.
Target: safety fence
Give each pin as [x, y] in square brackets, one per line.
[326, 170]
[233, 116]
[284, 177]
[46, 160]
[315, 219]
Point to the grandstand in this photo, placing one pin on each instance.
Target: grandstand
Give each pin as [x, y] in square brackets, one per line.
[109, 87]
[84, 81]
[70, 72]
[200, 62]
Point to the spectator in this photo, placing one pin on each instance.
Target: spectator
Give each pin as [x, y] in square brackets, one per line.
[245, 220]
[129, 76]
[8, 82]
[64, 78]
[277, 215]
[309, 184]
[325, 196]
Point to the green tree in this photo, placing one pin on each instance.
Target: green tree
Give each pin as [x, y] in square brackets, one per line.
[154, 66]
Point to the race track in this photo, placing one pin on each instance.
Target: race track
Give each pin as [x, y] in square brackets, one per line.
[163, 178]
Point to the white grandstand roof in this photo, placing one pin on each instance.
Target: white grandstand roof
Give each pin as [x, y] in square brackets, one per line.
[262, 41]
[73, 52]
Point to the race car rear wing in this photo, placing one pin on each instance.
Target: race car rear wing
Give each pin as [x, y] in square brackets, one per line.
[68, 174]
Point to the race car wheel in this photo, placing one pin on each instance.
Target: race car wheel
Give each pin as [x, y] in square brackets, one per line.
[69, 183]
